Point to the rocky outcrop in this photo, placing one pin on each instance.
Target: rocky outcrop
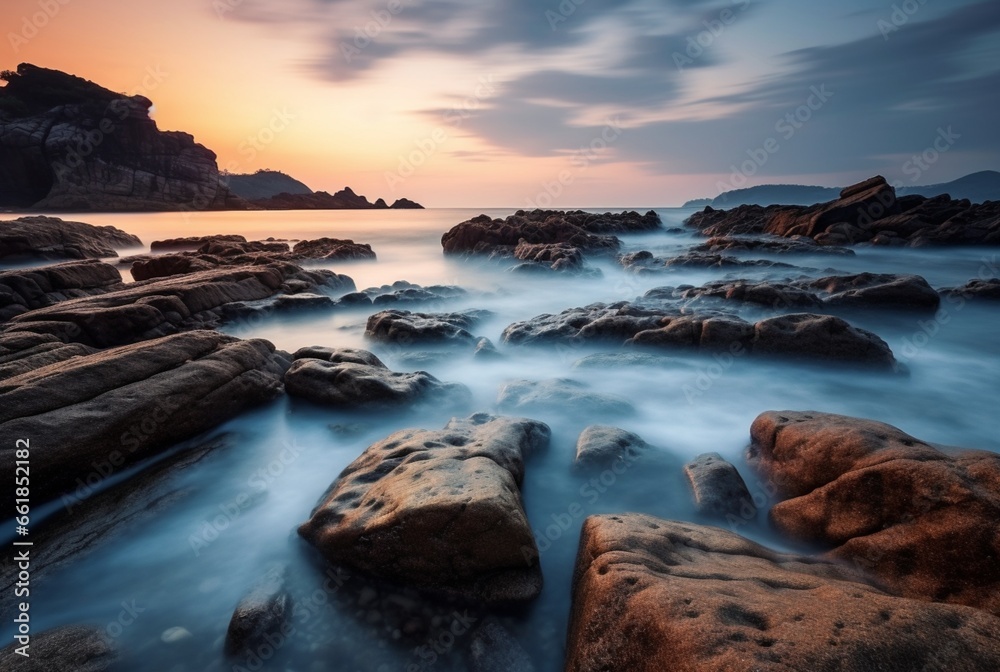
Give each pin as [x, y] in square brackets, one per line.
[806, 336]
[559, 395]
[405, 328]
[263, 612]
[551, 256]
[346, 378]
[71, 648]
[164, 306]
[30, 238]
[345, 199]
[193, 242]
[116, 407]
[866, 212]
[264, 184]
[21, 352]
[26, 289]
[977, 289]
[439, 510]
[332, 249]
[719, 490]
[652, 595]
[646, 262]
[69, 144]
[920, 519]
[772, 245]
[585, 231]
[600, 446]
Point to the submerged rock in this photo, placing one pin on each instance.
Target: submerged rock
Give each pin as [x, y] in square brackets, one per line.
[357, 379]
[264, 612]
[438, 509]
[404, 328]
[493, 649]
[922, 520]
[559, 396]
[718, 488]
[39, 237]
[976, 289]
[71, 648]
[795, 245]
[872, 290]
[115, 407]
[652, 595]
[600, 446]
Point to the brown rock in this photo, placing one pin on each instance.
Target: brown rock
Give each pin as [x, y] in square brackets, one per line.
[52, 238]
[922, 520]
[652, 595]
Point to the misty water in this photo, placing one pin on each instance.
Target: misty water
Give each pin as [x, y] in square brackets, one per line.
[281, 457]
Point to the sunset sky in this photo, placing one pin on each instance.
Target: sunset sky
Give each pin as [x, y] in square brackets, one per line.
[579, 103]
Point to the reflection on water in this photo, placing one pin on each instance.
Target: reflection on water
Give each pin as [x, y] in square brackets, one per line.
[187, 566]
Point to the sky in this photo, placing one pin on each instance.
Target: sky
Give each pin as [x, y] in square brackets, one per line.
[547, 103]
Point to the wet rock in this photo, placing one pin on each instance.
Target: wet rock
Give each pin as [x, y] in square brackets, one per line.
[119, 406]
[22, 290]
[922, 520]
[594, 323]
[609, 360]
[718, 488]
[403, 327]
[164, 306]
[494, 649]
[193, 242]
[796, 245]
[306, 301]
[438, 509]
[148, 268]
[821, 337]
[333, 249]
[652, 595]
[872, 290]
[558, 396]
[39, 237]
[402, 292]
[775, 295]
[645, 262]
[552, 256]
[357, 379]
[977, 289]
[71, 648]
[486, 350]
[600, 446]
[264, 611]
[22, 352]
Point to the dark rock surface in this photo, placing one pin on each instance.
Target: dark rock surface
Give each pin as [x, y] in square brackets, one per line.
[71, 648]
[645, 262]
[438, 509]
[600, 446]
[116, 407]
[795, 245]
[52, 238]
[718, 488]
[264, 611]
[22, 290]
[652, 595]
[977, 289]
[402, 327]
[345, 199]
[922, 520]
[193, 242]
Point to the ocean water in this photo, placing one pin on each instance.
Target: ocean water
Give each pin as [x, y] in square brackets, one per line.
[187, 565]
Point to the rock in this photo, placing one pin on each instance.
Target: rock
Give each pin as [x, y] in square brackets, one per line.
[552, 256]
[193, 242]
[600, 446]
[29, 238]
[149, 268]
[405, 204]
[305, 301]
[25, 289]
[797, 245]
[133, 165]
[493, 649]
[608, 360]
[404, 328]
[652, 595]
[264, 611]
[332, 248]
[345, 199]
[923, 521]
[774, 295]
[718, 488]
[594, 323]
[439, 510]
[977, 289]
[264, 184]
[821, 337]
[871, 290]
[583, 231]
[558, 396]
[485, 350]
[22, 352]
[119, 406]
[71, 648]
[163, 306]
[339, 356]
[403, 292]
[348, 380]
[175, 635]
[645, 262]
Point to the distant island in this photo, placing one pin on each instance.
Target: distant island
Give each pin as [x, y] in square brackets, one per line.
[976, 187]
[68, 144]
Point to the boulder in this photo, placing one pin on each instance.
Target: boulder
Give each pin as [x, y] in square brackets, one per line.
[116, 407]
[922, 520]
[262, 614]
[71, 648]
[404, 328]
[438, 509]
[873, 290]
[976, 289]
[37, 237]
[719, 490]
[483, 235]
[652, 595]
[559, 396]
[821, 337]
[147, 268]
[332, 248]
[600, 446]
[772, 245]
[552, 256]
[25, 289]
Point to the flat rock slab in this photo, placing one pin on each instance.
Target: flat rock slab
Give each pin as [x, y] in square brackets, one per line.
[357, 379]
[922, 520]
[115, 407]
[71, 648]
[40, 237]
[439, 510]
[652, 595]
[25, 289]
[559, 395]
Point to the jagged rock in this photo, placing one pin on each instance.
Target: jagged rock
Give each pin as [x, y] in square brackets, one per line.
[796, 245]
[718, 488]
[71, 648]
[922, 520]
[51, 160]
[357, 379]
[871, 290]
[404, 328]
[821, 337]
[553, 256]
[193, 242]
[977, 289]
[264, 611]
[119, 406]
[345, 199]
[486, 350]
[652, 595]
[332, 248]
[600, 446]
[439, 510]
[53, 238]
[22, 290]
[559, 395]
